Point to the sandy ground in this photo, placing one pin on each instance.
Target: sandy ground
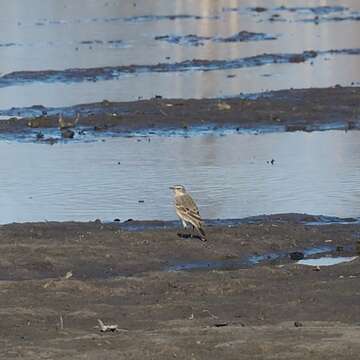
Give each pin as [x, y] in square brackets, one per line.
[288, 110]
[273, 310]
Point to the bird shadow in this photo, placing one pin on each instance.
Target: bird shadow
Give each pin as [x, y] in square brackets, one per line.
[188, 236]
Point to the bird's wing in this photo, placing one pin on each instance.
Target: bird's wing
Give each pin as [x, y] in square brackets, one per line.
[186, 204]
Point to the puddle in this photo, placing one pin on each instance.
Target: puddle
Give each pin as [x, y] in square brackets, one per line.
[48, 39]
[230, 176]
[326, 261]
[209, 265]
[244, 263]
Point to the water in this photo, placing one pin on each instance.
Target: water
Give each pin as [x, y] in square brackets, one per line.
[244, 262]
[229, 176]
[59, 35]
[327, 261]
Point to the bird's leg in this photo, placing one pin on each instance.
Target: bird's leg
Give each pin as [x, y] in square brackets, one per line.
[193, 231]
[184, 235]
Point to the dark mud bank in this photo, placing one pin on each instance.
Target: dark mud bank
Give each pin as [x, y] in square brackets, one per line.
[77, 75]
[286, 110]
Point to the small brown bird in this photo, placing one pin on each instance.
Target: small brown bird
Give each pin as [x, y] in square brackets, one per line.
[67, 124]
[187, 210]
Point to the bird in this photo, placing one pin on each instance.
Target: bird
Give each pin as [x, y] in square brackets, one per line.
[187, 210]
[67, 124]
[67, 133]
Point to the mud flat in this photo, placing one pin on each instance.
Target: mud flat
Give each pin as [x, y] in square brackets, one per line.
[57, 279]
[287, 110]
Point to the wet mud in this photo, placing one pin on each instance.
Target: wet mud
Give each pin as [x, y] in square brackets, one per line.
[317, 10]
[114, 72]
[323, 19]
[109, 43]
[58, 279]
[315, 15]
[287, 110]
[195, 40]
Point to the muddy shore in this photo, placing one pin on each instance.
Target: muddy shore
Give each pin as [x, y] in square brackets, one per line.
[271, 309]
[287, 110]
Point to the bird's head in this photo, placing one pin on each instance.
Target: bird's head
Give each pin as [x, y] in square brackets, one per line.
[179, 189]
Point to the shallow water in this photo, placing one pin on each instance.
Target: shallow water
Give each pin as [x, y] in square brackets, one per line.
[244, 262]
[327, 261]
[61, 35]
[230, 176]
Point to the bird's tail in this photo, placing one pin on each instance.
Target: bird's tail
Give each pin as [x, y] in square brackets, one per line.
[202, 232]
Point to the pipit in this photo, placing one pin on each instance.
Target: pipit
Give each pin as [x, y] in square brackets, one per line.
[187, 210]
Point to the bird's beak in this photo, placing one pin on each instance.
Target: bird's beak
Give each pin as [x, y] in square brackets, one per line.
[171, 188]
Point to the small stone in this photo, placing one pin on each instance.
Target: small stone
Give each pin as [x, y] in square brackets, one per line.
[221, 324]
[259, 9]
[67, 134]
[97, 128]
[50, 140]
[39, 135]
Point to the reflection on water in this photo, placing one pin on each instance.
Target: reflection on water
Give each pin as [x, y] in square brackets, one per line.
[230, 176]
[58, 34]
